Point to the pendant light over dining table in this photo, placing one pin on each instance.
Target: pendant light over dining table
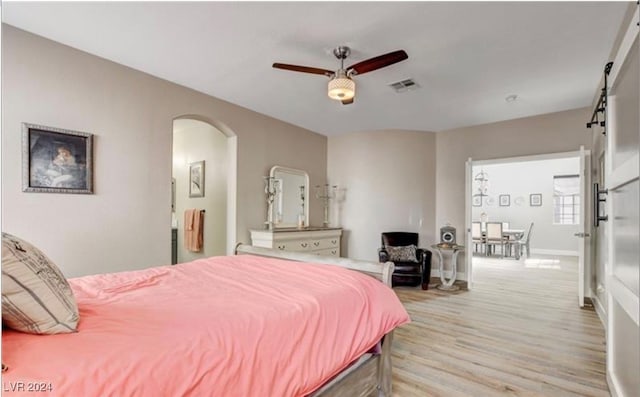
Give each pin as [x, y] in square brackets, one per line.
[482, 181]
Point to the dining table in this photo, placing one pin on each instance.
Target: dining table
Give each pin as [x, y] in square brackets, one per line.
[510, 234]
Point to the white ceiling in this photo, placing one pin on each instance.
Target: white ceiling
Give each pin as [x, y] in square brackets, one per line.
[467, 57]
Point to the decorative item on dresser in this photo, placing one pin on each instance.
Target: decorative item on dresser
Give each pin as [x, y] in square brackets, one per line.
[271, 186]
[326, 193]
[315, 240]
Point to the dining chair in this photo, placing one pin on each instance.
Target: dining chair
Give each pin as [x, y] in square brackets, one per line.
[508, 241]
[494, 236]
[476, 236]
[524, 241]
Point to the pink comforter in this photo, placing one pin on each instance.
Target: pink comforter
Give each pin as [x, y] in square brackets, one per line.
[223, 326]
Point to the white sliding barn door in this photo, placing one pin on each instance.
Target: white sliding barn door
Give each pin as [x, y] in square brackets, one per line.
[583, 232]
[467, 222]
[623, 267]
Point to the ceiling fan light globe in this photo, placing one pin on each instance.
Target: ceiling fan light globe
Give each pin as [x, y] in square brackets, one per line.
[341, 88]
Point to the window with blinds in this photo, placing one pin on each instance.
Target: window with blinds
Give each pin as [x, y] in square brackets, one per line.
[566, 199]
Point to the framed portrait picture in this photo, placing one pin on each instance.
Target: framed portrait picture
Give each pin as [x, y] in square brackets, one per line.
[535, 200]
[55, 160]
[504, 200]
[477, 201]
[196, 179]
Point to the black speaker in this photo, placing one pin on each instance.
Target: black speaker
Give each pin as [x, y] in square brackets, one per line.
[448, 235]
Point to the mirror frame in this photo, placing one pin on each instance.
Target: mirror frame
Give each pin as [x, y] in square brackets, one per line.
[306, 195]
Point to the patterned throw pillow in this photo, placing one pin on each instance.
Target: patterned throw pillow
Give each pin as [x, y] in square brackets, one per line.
[402, 254]
[36, 298]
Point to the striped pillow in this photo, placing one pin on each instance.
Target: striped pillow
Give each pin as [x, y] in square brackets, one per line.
[36, 298]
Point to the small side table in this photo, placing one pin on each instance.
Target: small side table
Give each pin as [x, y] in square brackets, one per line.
[447, 285]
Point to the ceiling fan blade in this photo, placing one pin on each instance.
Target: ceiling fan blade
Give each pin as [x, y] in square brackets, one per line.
[348, 101]
[303, 69]
[378, 62]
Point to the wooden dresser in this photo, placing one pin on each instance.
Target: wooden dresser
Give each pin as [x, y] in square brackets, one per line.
[320, 241]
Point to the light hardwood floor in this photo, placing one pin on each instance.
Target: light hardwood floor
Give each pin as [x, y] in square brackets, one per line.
[519, 332]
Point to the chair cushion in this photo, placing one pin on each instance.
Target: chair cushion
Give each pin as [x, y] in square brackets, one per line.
[36, 298]
[402, 254]
[406, 267]
[406, 279]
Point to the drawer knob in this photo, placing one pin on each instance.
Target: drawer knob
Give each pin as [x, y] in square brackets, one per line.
[333, 252]
[281, 247]
[304, 245]
[334, 241]
[316, 243]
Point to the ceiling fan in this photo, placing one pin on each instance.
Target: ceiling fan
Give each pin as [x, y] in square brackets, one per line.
[341, 85]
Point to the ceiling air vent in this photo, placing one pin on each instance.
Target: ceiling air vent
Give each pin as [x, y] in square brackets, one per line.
[404, 85]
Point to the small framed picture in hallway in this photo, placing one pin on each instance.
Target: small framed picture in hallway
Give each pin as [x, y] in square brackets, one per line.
[196, 179]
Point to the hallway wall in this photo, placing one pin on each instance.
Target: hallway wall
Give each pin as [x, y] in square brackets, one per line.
[196, 141]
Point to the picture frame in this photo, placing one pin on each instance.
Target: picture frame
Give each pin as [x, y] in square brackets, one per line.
[535, 200]
[56, 160]
[505, 200]
[196, 179]
[476, 201]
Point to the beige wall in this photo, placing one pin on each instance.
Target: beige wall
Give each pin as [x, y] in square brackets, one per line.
[549, 133]
[388, 179]
[126, 223]
[197, 141]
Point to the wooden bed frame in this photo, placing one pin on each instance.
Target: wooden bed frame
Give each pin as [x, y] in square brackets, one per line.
[371, 374]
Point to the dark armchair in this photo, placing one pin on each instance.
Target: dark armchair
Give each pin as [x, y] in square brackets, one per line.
[407, 273]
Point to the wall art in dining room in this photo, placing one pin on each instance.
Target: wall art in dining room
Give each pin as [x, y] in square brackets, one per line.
[505, 200]
[535, 200]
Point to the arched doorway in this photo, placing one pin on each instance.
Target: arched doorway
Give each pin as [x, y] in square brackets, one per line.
[204, 179]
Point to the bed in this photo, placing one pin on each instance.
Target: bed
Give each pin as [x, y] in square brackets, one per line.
[243, 325]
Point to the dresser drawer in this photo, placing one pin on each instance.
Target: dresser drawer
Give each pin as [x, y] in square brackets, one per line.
[328, 252]
[321, 244]
[319, 241]
[294, 246]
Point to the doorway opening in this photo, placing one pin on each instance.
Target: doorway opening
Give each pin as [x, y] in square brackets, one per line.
[204, 182]
[526, 218]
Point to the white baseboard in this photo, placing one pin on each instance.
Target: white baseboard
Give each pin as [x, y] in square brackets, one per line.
[614, 386]
[602, 314]
[543, 251]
